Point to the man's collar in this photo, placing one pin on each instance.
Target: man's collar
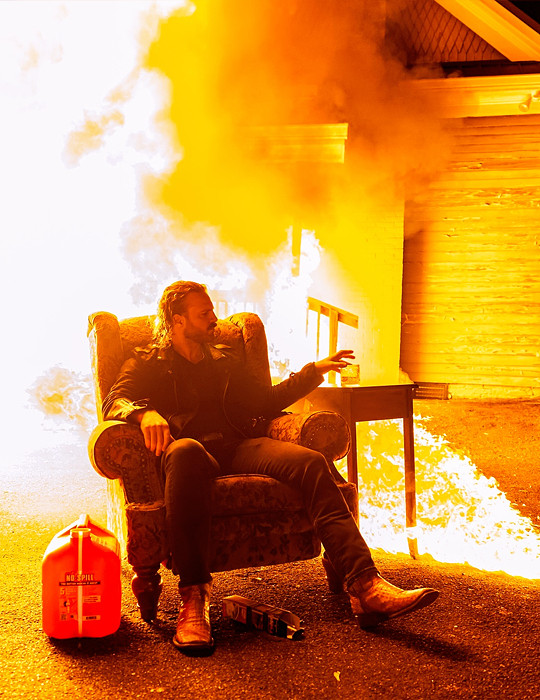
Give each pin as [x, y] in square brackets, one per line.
[216, 351]
[213, 351]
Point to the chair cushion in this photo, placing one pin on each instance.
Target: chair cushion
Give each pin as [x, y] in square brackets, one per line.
[252, 494]
[258, 521]
[253, 540]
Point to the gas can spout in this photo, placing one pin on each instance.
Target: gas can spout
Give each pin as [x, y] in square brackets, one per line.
[80, 532]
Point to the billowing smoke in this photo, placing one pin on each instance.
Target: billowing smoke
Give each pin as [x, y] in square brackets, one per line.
[208, 203]
[235, 66]
[65, 397]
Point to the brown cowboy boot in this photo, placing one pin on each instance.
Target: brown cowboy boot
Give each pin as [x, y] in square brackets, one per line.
[193, 634]
[374, 600]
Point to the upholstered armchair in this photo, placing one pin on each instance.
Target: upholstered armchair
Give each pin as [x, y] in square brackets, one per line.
[257, 521]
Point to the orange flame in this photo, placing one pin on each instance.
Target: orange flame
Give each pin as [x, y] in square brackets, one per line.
[462, 515]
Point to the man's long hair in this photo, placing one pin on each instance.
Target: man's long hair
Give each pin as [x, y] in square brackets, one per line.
[172, 302]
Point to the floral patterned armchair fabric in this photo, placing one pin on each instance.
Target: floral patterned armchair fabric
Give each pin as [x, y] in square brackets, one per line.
[257, 521]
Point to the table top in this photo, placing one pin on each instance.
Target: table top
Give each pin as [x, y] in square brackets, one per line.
[365, 403]
[356, 387]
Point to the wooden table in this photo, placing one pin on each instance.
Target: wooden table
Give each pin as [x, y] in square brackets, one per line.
[367, 403]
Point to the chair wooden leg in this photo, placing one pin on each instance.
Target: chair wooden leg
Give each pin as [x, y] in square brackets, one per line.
[334, 580]
[146, 585]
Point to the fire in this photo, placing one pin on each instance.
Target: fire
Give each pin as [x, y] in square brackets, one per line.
[462, 515]
[285, 322]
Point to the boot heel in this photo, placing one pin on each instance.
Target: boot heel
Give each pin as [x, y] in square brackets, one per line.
[365, 619]
[368, 620]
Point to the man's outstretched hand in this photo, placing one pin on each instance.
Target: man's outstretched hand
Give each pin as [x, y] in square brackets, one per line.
[334, 362]
[155, 430]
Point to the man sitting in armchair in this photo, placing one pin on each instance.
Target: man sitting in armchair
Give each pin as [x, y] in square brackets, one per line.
[198, 410]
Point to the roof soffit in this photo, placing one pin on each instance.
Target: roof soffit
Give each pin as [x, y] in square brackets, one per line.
[497, 25]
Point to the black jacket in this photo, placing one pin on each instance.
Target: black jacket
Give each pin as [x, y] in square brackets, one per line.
[148, 381]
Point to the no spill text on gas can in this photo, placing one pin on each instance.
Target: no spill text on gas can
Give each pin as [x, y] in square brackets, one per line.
[81, 584]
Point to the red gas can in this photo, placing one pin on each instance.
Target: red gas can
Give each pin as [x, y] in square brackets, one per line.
[81, 585]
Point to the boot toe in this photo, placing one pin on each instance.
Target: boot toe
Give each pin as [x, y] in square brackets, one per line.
[193, 631]
[194, 648]
[425, 597]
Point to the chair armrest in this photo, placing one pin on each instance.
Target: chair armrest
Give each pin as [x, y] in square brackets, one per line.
[117, 451]
[324, 431]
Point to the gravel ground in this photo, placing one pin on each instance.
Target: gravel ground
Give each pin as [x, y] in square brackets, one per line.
[479, 640]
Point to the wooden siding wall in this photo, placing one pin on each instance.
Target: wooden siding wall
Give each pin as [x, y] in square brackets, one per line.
[471, 288]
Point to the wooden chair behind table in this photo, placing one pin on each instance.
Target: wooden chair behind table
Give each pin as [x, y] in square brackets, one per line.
[256, 521]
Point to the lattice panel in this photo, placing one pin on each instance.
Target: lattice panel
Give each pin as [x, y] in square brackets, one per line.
[427, 33]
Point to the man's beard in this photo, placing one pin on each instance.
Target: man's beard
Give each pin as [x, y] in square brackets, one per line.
[212, 332]
[201, 336]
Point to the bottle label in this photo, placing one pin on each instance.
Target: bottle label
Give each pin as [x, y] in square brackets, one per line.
[75, 578]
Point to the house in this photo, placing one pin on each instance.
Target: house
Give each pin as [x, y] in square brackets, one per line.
[471, 276]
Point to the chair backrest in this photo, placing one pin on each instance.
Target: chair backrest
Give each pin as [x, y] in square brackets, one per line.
[113, 341]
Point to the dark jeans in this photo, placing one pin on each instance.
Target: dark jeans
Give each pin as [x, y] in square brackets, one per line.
[188, 470]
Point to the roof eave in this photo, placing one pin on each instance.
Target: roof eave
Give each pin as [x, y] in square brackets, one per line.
[497, 25]
[483, 96]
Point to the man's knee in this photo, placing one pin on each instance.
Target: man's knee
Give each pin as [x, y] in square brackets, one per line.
[188, 456]
[308, 463]
[184, 448]
[311, 457]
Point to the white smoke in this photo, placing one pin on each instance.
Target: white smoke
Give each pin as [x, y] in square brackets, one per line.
[70, 75]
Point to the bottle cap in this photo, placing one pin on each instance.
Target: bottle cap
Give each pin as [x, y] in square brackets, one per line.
[80, 532]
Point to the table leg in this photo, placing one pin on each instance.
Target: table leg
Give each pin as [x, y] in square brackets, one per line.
[410, 484]
[352, 456]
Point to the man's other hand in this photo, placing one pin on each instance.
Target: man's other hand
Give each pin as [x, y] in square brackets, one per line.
[155, 430]
[334, 362]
